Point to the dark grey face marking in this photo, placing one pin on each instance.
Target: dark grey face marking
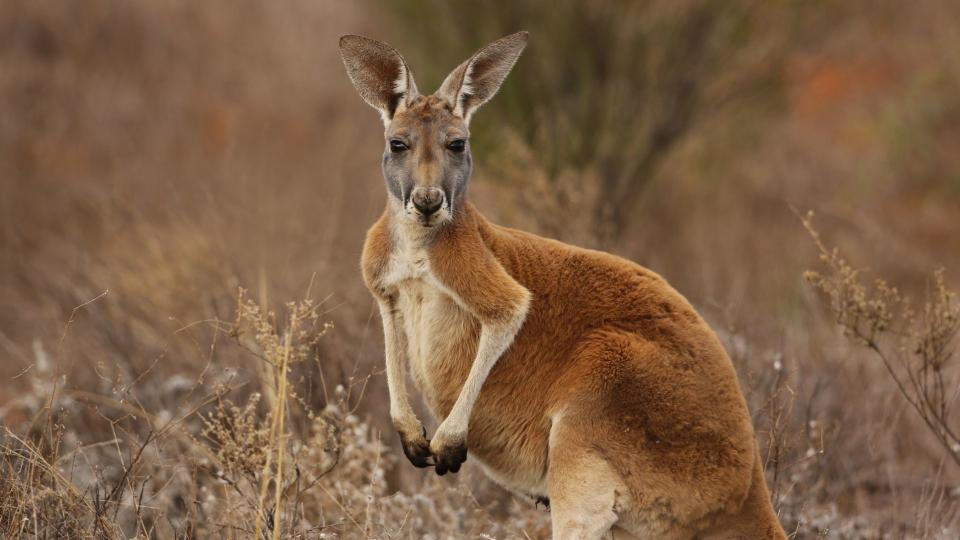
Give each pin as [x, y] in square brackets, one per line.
[393, 187]
[455, 181]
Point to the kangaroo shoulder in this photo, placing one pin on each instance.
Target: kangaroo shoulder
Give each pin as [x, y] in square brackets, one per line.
[375, 260]
[463, 262]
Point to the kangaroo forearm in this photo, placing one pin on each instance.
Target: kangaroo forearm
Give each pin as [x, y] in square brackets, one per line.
[494, 341]
[500, 304]
[394, 352]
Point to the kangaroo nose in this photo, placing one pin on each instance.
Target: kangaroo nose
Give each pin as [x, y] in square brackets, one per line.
[427, 200]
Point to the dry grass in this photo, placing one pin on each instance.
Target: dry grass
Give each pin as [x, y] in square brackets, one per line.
[157, 156]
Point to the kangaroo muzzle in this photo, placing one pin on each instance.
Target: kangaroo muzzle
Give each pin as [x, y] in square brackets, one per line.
[427, 200]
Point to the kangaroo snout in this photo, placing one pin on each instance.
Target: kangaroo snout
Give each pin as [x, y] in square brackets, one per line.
[427, 200]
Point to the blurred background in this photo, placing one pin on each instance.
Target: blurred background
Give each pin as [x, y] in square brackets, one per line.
[169, 152]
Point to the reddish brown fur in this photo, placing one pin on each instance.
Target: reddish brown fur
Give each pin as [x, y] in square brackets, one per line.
[612, 345]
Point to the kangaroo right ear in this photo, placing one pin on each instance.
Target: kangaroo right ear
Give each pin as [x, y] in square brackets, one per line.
[379, 74]
[475, 81]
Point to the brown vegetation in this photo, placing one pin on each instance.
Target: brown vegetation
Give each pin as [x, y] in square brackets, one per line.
[157, 156]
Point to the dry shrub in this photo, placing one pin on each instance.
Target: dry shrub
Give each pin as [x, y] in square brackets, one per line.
[916, 348]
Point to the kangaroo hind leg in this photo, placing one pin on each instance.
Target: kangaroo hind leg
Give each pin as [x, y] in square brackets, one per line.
[585, 492]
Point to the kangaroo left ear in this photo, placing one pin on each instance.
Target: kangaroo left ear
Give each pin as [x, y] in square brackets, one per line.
[475, 81]
[379, 73]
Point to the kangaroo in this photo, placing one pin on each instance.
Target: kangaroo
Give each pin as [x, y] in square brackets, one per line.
[570, 375]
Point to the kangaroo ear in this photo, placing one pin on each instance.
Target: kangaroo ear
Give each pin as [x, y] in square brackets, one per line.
[379, 74]
[475, 81]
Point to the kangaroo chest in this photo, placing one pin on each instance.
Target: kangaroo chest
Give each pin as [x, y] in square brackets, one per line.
[441, 338]
[441, 342]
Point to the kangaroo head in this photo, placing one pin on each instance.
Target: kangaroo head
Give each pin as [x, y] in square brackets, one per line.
[426, 159]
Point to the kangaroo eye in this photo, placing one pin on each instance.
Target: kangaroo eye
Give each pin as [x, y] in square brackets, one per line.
[397, 146]
[457, 146]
